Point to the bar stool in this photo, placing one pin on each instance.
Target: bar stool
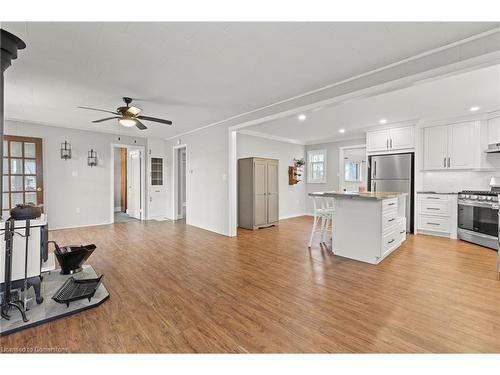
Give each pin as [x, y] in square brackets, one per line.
[323, 212]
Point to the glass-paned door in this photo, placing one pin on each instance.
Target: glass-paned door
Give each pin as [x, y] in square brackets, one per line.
[22, 172]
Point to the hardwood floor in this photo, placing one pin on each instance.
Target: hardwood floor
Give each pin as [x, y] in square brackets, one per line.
[176, 288]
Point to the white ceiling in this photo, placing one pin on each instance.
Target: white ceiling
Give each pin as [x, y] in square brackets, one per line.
[443, 98]
[196, 73]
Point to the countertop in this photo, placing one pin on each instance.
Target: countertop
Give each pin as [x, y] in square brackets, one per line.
[437, 192]
[351, 194]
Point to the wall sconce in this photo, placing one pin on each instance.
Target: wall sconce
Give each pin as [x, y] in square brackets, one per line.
[65, 150]
[92, 158]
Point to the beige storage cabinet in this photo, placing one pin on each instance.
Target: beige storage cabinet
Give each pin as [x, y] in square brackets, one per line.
[258, 198]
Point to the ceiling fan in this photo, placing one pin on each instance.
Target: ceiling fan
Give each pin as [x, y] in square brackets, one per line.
[128, 115]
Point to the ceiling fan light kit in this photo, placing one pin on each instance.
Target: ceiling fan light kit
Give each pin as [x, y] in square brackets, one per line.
[127, 122]
[128, 116]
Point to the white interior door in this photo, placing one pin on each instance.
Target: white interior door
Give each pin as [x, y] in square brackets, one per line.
[134, 184]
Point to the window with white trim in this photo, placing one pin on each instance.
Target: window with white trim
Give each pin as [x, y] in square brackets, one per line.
[316, 167]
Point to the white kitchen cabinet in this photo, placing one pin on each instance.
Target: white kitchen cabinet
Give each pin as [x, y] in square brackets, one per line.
[377, 140]
[450, 146]
[461, 145]
[437, 214]
[402, 138]
[390, 139]
[435, 147]
[494, 130]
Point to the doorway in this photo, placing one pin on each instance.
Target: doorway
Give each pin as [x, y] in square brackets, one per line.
[128, 186]
[180, 182]
[353, 168]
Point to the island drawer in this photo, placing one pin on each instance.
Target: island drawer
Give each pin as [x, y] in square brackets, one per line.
[390, 240]
[389, 204]
[435, 223]
[439, 208]
[389, 220]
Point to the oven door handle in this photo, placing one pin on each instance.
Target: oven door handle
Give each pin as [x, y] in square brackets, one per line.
[478, 204]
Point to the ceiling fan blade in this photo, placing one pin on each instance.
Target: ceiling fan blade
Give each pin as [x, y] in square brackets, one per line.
[168, 122]
[100, 110]
[140, 125]
[105, 119]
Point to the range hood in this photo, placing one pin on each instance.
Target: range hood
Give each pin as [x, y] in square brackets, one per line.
[492, 148]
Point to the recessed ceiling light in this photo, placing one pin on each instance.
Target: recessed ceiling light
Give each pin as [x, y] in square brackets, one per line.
[301, 117]
[474, 108]
[342, 130]
[383, 121]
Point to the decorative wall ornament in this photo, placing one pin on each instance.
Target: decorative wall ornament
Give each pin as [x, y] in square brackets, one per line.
[296, 171]
[65, 150]
[92, 158]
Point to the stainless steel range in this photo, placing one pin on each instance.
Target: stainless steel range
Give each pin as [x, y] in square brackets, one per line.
[478, 217]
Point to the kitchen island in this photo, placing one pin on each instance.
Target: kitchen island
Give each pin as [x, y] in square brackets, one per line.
[367, 226]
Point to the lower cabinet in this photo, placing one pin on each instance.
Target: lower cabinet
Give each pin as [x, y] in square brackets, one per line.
[393, 226]
[437, 214]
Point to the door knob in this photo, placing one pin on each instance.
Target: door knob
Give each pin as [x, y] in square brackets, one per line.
[39, 189]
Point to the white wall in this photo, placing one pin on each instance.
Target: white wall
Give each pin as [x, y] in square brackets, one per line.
[118, 179]
[332, 167]
[206, 181]
[70, 185]
[291, 197]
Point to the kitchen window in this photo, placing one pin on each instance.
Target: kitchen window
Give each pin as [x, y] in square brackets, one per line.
[316, 167]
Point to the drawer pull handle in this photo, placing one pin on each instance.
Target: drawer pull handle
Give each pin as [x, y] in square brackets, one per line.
[391, 241]
[402, 232]
[433, 198]
[434, 208]
[432, 223]
[391, 219]
[391, 204]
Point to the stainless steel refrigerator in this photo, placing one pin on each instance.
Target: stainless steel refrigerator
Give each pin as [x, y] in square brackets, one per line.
[393, 173]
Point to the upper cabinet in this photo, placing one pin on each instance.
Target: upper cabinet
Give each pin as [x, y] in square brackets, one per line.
[450, 146]
[390, 139]
[494, 130]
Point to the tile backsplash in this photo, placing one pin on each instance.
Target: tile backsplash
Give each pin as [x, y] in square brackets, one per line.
[455, 181]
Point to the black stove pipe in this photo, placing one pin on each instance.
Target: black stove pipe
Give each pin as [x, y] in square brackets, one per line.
[9, 45]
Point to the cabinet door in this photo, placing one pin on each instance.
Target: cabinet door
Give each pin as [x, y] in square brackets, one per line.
[461, 141]
[494, 130]
[260, 193]
[401, 138]
[272, 192]
[377, 140]
[435, 147]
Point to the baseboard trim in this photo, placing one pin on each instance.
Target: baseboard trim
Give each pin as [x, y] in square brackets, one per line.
[292, 216]
[79, 226]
